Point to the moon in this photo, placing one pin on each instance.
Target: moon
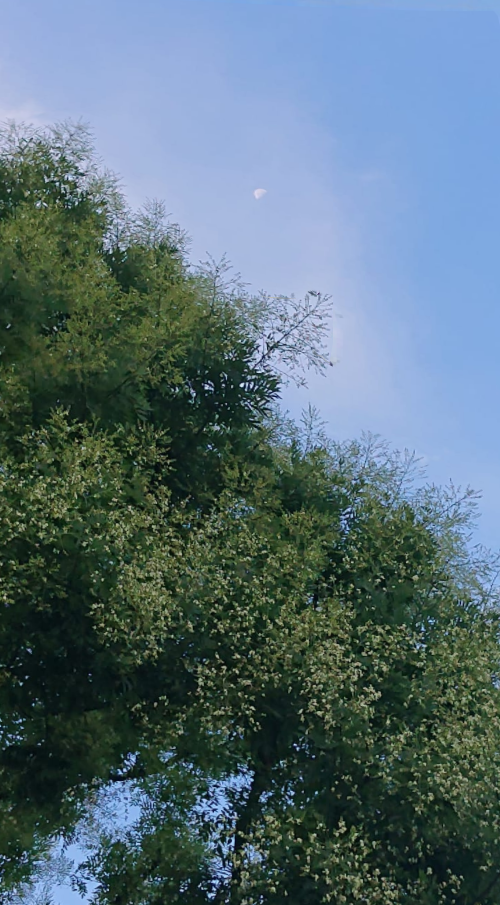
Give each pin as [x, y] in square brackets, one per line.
[259, 193]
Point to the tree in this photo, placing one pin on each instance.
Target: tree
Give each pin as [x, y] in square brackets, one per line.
[278, 648]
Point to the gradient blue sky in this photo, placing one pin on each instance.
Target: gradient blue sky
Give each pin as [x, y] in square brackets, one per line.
[376, 133]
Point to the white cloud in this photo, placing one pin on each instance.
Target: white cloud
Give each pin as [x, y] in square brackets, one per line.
[373, 175]
[436, 5]
[15, 106]
[259, 193]
[27, 112]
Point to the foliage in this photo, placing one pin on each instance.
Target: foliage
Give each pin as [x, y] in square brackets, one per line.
[280, 649]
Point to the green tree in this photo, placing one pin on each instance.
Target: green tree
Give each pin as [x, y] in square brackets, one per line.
[281, 650]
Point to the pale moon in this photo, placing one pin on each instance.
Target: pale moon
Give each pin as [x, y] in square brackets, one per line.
[259, 193]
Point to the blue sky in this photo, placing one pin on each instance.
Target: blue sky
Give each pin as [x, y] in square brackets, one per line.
[376, 132]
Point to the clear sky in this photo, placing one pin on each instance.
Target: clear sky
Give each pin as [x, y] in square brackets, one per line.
[376, 132]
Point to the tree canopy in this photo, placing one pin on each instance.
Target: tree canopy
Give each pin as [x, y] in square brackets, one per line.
[280, 650]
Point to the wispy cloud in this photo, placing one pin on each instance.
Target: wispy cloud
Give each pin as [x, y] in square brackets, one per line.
[436, 5]
[372, 175]
[27, 112]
